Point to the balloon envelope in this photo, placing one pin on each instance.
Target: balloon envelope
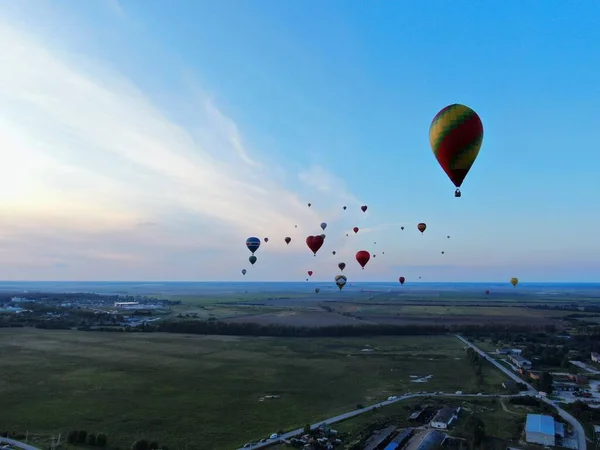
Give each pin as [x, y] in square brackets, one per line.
[401, 280]
[288, 240]
[253, 243]
[422, 227]
[514, 281]
[315, 243]
[364, 208]
[363, 257]
[455, 136]
[342, 266]
[323, 226]
[252, 259]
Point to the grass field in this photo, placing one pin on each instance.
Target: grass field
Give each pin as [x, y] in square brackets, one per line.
[202, 392]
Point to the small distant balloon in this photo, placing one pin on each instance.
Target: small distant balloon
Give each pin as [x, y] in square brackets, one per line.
[342, 266]
[401, 280]
[266, 239]
[422, 227]
[315, 243]
[344, 208]
[317, 290]
[514, 281]
[310, 272]
[402, 228]
[288, 240]
[309, 205]
[364, 208]
[355, 229]
[323, 226]
[244, 271]
[252, 259]
[333, 253]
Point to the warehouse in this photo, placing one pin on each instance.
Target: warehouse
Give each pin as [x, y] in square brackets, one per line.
[540, 429]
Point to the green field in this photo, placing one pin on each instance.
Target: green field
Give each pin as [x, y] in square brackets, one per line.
[197, 392]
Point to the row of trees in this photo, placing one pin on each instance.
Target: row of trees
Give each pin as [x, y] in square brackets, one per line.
[475, 361]
[100, 440]
[83, 437]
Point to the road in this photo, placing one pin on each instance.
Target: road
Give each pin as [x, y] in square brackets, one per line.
[357, 412]
[579, 432]
[578, 429]
[17, 444]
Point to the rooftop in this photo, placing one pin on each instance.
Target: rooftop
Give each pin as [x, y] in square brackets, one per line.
[538, 423]
[444, 415]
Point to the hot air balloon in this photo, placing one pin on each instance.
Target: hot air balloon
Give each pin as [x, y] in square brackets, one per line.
[323, 236]
[346, 234]
[315, 243]
[333, 253]
[364, 208]
[340, 280]
[487, 292]
[442, 252]
[383, 253]
[402, 228]
[323, 226]
[455, 135]
[288, 240]
[422, 227]
[244, 271]
[363, 257]
[344, 208]
[252, 259]
[448, 237]
[401, 280]
[374, 256]
[310, 272]
[342, 266]
[514, 281]
[253, 243]
[355, 229]
[266, 239]
[309, 205]
[317, 290]
[295, 226]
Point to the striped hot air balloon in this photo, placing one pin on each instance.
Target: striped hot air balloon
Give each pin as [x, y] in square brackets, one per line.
[455, 135]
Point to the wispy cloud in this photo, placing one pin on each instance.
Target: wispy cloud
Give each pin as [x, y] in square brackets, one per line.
[94, 172]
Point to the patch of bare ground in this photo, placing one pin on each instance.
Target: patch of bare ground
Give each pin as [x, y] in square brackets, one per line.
[300, 319]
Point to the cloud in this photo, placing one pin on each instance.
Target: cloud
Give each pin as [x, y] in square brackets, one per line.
[97, 175]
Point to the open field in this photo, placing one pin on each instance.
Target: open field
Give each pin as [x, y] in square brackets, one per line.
[202, 392]
[313, 313]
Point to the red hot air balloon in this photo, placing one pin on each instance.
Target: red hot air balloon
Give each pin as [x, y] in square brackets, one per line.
[364, 208]
[355, 229]
[310, 272]
[315, 243]
[401, 280]
[363, 257]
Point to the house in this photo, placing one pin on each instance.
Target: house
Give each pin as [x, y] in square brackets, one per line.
[502, 351]
[444, 418]
[520, 362]
[515, 351]
[579, 379]
[540, 429]
[595, 357]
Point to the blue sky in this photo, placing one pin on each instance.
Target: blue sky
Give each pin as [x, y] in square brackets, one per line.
[145, 142]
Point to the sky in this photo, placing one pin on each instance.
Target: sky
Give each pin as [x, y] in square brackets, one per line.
[145, 141]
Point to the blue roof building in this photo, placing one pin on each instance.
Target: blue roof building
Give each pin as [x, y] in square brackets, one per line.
[540, 429]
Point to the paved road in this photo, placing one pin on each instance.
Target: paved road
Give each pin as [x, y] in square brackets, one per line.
[17, 444]
[357, 412]
[532, 391]
[579, 431]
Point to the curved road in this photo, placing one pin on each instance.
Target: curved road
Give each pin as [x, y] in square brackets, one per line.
[357, 412]
[578, 429]
[17, 444]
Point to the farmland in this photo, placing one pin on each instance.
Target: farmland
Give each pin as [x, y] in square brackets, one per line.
[161, 386]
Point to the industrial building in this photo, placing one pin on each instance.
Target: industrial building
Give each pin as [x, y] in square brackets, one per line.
[542, 429]
[426, 440]
[400, 439]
